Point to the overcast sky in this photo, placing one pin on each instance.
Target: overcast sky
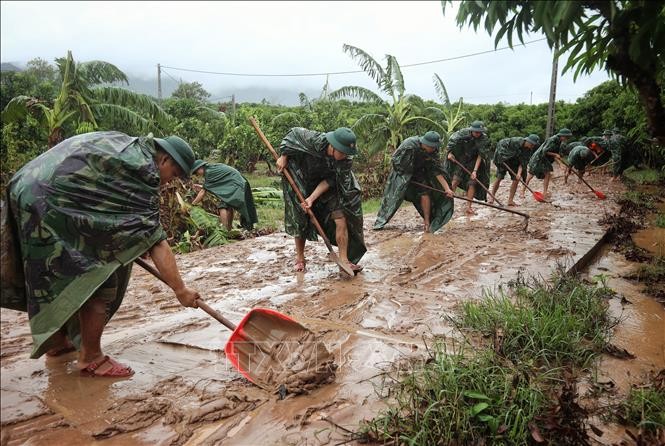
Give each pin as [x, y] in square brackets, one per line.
[285, 37]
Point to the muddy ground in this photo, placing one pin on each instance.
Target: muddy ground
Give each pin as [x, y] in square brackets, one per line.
[184, 390]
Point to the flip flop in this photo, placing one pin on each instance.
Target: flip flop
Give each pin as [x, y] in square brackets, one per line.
[117, 370]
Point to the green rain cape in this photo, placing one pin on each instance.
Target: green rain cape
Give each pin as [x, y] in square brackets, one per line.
[309, 165]
[466, 148]
[605, 154]
[576, 160]
[399, 187]
[512, 152]
[75, 215]
[540, 163]
[228, 185]
[620, 154]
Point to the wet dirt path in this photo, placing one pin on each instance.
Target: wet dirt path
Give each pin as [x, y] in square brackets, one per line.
[185, 392]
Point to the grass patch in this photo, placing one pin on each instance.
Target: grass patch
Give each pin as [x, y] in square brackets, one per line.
[660, 220]
[515, 390]
[644, 408]
[644, 176]
[562, 323]
[371, 205]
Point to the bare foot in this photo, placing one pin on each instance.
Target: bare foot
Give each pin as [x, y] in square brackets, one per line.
[299, 266]
[490, 200]
[512, 203]
[470, 211]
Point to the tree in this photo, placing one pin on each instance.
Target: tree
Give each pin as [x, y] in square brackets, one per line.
[626, 37]
[191, 90]
[453, 115]
[385, 129]
[85, 99]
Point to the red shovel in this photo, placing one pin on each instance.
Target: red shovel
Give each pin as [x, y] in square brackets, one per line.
[537, 195]
[598, 193]
[254, 345]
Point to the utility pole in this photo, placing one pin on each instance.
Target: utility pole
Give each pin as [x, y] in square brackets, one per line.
[531, 100]
[550, 109]
[233, 104]
[159, 81]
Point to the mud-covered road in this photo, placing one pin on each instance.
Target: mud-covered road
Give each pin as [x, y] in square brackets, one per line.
[184, 390]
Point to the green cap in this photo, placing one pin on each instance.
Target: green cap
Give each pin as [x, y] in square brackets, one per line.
[477, 126]
[197, 165]
[607, 133]
[431, 139]
[533, 139]
[564, 132]
[343, 139]
[179, 150]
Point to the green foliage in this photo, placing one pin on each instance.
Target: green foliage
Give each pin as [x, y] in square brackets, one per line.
[204, 231]
[644, 408]
[554, 324]
[191, 90]
[660, 222]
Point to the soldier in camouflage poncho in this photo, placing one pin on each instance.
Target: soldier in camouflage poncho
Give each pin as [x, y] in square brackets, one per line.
[514, 152]
[600, 148]
[620, 154]
[578, 159]
[231, 189]
[417, 159]
[540, 163]
[75, 219]
[320, 164]
[470, 147]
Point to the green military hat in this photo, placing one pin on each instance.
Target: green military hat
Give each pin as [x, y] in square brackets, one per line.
[564, 132]
[607, 133]
[533, 139]
[478, 126]
[343, 139]
[198, 164]
[179, 150]
[431, 139]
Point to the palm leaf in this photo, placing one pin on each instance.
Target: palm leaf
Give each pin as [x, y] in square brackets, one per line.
[396, 77]
[99, 72]
[424, 119]
[119, 113]
[18, 108]
[367, 63]
[361, 93]
[139, 103]
[441, 91]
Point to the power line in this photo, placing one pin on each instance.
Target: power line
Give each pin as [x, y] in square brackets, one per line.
[166, 72]
[345, 72]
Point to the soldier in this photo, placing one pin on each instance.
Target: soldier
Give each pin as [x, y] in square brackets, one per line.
[578, 159]
[320, 164]
[231, 189]
[76, 218]
[619, 149]
[515, 152]
[540, 163]
[469, 147]
[417, 159]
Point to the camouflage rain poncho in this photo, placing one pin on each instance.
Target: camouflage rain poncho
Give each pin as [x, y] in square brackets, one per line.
[620, 155]
[512, 152]
[76, 215]
[540, 163]
[309, 165]
[576, 160]
[229, 186]
[604, 154]
[411, 162]
[466, 148]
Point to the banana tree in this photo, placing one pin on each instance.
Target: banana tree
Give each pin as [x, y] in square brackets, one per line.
[383, 131]
[85, 99]
[451, 115]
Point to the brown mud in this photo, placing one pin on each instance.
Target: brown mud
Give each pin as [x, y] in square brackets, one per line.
[185, 391]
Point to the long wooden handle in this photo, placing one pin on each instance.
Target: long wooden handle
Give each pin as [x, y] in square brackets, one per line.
[200, 303]
[473, 201]
[478, 181]
[519, 178]
[568, 166]
[295, 188]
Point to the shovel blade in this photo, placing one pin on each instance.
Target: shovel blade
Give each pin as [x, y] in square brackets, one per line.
[599, 194]
[539, 196]
[259, 342]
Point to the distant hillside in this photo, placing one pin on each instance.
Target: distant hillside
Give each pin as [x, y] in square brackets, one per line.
[7, 66]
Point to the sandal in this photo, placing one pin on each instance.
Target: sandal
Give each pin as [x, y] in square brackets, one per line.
[300, 266]
[117, 370]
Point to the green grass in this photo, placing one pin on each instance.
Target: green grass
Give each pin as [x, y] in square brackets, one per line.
[644, 408]
[660, 220]
[501, 393]
[371, 205]
[644, 176]
[562, 323]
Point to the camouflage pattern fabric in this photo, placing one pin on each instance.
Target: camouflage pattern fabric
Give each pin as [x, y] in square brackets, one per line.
[602, 149]
[512, 152]
[576, 160]
[566, 148]
[540, 163]
[309, 165]
[233, 190]
[411, 162]
[78, 213]
[466, 148]
[619, 150]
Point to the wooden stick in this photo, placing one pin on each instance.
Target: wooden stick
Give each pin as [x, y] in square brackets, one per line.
[477, 181]
[310, 213]
[473, 201]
